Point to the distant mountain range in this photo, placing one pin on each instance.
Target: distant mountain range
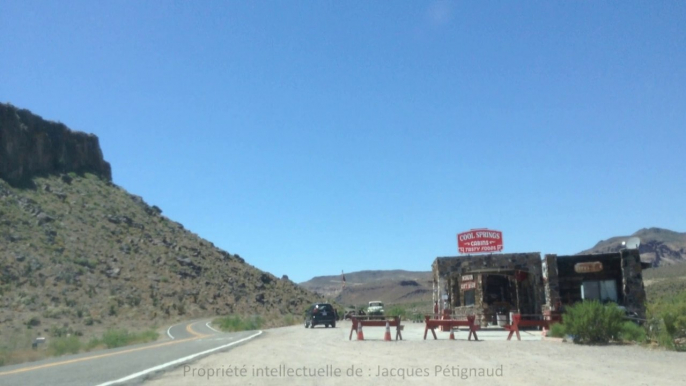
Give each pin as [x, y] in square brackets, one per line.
[393, 286]
[659, 247]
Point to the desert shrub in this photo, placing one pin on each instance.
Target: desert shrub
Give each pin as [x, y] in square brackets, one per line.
[667, 321]
[632, 332]
[33, 322]
[55, 312]
[591, 322]
[557, 330]
[92, 343]
[121, 337]
[60, 331]
[397, 310]
[290, 320]
[145, 336]
[88, 263]
[64, 345]
[665, 340]
[115, 338]
[238, 323]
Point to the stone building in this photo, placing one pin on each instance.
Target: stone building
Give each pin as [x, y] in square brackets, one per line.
[488, 285]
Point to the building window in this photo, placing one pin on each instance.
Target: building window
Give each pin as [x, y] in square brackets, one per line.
[602, 290]
[469, 296]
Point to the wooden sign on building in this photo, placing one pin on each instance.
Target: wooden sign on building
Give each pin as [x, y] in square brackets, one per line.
[589, 267]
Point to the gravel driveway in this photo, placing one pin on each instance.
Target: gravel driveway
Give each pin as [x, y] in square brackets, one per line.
[325, 356]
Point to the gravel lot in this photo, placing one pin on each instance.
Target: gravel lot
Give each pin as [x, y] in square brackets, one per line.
[290, 356]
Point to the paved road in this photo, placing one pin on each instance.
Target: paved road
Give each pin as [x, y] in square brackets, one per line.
[183, 342]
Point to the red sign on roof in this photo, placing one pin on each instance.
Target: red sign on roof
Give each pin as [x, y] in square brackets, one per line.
[480, 241]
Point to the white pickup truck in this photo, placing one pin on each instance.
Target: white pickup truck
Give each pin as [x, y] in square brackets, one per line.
[375, 308]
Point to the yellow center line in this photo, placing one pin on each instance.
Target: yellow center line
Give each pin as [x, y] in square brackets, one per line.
[195, 334]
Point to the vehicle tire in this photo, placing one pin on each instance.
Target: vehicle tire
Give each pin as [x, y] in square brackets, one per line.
[327, 326]
[333, 325]
[311, 325]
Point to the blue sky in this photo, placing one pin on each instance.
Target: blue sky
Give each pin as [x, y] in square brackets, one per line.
[312, 137]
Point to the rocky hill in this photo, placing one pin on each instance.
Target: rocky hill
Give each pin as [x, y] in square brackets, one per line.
[659, 247]
[78, 253]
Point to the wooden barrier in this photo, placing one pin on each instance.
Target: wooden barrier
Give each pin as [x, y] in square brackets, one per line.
[432, 324]
[518, 322]
[374, 321]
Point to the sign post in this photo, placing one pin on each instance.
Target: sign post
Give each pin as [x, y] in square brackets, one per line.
[480, 241]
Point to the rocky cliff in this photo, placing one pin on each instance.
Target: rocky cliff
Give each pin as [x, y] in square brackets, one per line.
[31, 146]
[79, 254]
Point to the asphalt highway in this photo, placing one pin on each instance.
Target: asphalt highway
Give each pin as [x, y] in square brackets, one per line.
[182, 343]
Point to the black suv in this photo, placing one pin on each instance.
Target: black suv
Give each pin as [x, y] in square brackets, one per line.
[320, 314]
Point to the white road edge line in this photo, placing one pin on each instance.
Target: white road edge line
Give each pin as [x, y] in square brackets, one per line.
[169, 333]
[175, 362]
[210, 327]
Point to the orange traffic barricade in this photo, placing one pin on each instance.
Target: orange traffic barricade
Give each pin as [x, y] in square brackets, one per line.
[432, 324]
[518, 322]
[358, 322]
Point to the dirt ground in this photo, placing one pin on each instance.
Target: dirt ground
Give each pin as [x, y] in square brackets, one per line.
[325, 356]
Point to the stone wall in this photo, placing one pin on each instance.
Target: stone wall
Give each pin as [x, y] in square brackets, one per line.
[632, 282]
[551, 283]
[448, 272]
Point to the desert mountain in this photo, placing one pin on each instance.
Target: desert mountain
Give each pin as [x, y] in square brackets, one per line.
[659, 247]
[78, 252]
[392, 287]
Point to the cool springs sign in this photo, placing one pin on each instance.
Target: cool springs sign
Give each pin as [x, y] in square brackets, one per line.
[480, 241]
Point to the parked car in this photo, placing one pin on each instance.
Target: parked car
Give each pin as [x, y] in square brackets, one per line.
[375, 308]
[320, 314]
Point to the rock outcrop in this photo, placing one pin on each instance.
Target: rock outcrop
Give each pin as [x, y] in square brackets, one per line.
[31, 146]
